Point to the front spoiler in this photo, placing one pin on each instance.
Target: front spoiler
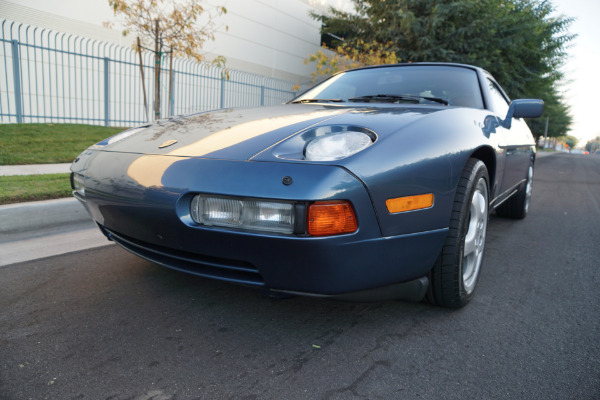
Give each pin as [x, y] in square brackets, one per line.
[414, 290]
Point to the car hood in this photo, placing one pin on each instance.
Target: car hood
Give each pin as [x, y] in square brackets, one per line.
[241, 134]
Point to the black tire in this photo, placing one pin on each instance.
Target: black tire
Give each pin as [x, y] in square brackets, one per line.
[517, 206]
[455, 274]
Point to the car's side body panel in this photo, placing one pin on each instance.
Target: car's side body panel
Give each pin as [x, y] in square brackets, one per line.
[516, 144]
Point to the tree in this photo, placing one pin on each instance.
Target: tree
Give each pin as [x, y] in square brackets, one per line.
[520, 42]
[348, 56]
[171, 27]
[557, 113]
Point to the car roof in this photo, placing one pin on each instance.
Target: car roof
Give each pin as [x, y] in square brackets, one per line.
[411, 64]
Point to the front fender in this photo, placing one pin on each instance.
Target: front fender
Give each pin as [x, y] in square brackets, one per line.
[426, 157]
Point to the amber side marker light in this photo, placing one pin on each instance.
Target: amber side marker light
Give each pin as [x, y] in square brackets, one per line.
[327, 218]
[409, 203]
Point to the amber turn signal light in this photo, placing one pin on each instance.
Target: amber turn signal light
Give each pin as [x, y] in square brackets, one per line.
[409, 203]
[327, 218]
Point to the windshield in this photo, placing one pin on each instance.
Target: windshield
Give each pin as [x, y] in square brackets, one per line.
[415, 84]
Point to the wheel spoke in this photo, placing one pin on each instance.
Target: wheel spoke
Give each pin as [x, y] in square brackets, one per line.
[475, 237]
[528, 189]
[469, 244]
[480, 204]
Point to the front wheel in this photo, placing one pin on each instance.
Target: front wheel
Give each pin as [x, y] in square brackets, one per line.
[455, 274]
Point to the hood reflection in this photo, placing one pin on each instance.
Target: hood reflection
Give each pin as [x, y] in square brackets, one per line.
[148, 170]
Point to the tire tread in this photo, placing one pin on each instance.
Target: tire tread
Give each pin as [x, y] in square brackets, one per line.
[445, 279]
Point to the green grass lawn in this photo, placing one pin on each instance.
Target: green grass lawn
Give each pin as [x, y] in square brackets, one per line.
[43, 144]
[48, 143]
[20, 188]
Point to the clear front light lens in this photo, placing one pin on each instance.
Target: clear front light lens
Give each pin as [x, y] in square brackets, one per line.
[335, 146]
[260, 215]
[217, 211]
[78, 184]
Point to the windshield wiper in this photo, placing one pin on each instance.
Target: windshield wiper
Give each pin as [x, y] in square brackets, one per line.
[393, 97]
[317, 101]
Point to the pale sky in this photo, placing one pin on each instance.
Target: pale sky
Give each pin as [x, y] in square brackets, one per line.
[581, 69]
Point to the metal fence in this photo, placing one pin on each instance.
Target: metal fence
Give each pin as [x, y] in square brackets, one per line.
[56, 77]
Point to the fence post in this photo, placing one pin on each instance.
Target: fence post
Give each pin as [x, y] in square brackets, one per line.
[106, 93]
[262, 95]
[17, 77]
[222, 93]
[172, 91]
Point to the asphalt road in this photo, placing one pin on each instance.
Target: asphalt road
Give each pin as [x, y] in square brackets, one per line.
[103, 324]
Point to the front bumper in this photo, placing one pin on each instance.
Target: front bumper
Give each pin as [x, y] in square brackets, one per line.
[145, 210]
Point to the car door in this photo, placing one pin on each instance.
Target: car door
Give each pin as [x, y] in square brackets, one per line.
[515, 143]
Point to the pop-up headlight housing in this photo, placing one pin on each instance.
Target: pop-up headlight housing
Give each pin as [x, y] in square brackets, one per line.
[120, 136]
[325, 143]
[337, 145]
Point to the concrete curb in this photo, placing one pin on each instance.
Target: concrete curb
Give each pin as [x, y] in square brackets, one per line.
[39, 215]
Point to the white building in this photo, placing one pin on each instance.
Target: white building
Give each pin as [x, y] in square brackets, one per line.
[60, 64]
[266, 37]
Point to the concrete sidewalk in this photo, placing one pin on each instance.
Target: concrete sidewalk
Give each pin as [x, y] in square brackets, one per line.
[34, 169]
[40, 229]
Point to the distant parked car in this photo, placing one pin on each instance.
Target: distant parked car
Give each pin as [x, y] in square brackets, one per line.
[378, 182]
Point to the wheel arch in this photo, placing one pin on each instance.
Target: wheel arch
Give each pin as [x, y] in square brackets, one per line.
[488, 156]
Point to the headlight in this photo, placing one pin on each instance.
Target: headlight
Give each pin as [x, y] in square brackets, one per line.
[231, 212]
[77, 183]
[334, 146]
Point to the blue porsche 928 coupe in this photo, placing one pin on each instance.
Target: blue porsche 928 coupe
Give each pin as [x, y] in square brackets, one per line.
[376, 183]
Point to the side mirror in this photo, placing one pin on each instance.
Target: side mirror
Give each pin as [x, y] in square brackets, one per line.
[523, 108]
